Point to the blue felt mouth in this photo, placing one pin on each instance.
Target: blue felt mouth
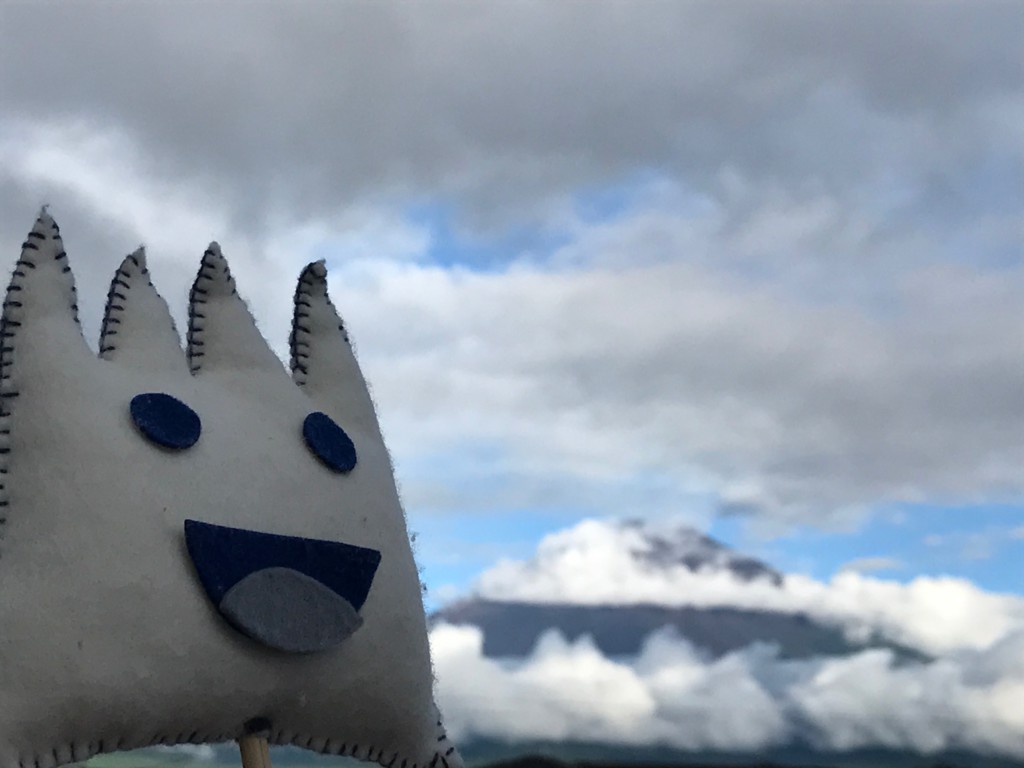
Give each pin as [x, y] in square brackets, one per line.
[287, 592]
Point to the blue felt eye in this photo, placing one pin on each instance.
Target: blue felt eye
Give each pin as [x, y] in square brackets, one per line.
[329, 442]
[165, 420]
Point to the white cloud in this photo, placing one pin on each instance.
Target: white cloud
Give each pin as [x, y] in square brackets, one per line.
[570, 691]
[593, 563]
[976, 545]
[868, 700]
[746, 701]
[871, 564]
[675, 373]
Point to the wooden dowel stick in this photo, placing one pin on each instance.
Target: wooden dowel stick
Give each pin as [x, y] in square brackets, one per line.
[255, 751]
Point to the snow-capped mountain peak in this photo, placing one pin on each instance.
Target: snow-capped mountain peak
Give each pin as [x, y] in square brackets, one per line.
[662, 547]
[604, 562]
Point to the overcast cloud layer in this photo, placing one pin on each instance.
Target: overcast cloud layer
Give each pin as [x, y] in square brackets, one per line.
[319, 105]
[773, 262]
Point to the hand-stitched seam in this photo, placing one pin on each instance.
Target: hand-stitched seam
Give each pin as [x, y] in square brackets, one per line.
[8, 332]
[196, 298]
[113, 309]
[300, 339]
[299, 342]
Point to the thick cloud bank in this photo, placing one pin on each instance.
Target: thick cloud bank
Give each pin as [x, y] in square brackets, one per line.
[299, 105]
[749, 700]
[966, 696]
[614, 385]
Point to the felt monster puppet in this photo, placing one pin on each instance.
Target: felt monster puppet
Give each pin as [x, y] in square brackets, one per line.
[196, 545]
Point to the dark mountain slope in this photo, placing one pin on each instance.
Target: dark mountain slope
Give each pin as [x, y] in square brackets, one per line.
[512, 629]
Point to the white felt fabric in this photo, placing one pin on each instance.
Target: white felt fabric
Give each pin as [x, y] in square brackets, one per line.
[108, 640]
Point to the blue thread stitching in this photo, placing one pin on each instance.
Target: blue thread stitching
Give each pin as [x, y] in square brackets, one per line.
[8, 330]
[196, 297]
[111, 307]
[299, 339]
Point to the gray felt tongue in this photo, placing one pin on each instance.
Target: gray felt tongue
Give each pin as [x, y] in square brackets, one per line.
[290, 611]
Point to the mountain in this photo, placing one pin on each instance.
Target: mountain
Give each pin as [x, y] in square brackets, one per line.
[832, 688]
[512, 627]
[696, 552]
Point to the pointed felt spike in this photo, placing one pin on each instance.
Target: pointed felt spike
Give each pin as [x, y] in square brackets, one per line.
[137, 327]
[221, 332]
[40, 311]
[44, 263]
[322, 359]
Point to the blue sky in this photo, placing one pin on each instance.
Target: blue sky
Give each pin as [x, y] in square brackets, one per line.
[691, 263]
[982, 543]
